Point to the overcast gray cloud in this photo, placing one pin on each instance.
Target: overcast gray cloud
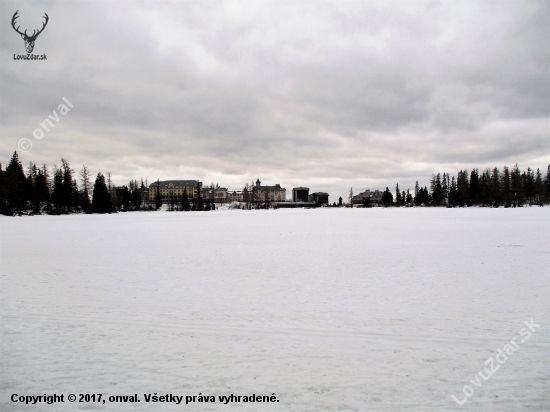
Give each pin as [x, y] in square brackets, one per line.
[324, 94]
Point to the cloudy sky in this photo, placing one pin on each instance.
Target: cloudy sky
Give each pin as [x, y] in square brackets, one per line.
[328, 95]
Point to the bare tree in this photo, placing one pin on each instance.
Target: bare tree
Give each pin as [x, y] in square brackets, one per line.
[246, 196]
[85, 178]
[110, 187]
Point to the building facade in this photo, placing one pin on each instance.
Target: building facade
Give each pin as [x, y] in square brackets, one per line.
[172, 190]
[236, 196]
[300, 194]
[368, 198]
[216, 195]
[321, 198]
[268, 193]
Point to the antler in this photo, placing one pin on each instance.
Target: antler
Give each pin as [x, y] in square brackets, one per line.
[15, 16]
[43, 26]
[34, 33]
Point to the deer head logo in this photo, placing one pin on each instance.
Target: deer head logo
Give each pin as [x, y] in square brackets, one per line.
[29, 40]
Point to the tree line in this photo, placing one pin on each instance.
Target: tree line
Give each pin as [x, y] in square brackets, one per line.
[491, 188]
[39, 190]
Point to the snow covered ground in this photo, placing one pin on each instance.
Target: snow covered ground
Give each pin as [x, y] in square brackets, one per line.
[329, 309]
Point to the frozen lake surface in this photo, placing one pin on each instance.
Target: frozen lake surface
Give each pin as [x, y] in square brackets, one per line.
[329, 309]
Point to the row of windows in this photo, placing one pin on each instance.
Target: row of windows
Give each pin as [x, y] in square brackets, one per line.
[175, 193]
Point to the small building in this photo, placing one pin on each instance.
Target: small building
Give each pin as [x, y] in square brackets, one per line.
[320, 198]
[217, 194]
[300, 194]
[236, 196]
[144, 194]
[368, 198]
[221, 195]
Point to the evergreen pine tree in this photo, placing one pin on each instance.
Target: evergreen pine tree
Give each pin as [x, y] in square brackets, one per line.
[158, 199]
[517, 187]
[539, 189]
[15, 185]
[409, 198]
[397, 195]
[496, 191]
[453, 193]
[101, 199]
[185, 201]
[75, 195]
[528, 178]
[85, 201]
[462, 188]
[474, 189]
[506, 188]
[484, 184]
[67, 192]
[416, 194]
[387, 197]
[125, 198]
[42, 188]
[438, 193]
[32, 174]
[48, 177]
[3, 199]
[57, 195]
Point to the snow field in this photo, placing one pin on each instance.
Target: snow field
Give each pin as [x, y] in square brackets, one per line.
[330, 309]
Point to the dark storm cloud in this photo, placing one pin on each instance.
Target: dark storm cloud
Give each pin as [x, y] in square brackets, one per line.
[330, 95]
